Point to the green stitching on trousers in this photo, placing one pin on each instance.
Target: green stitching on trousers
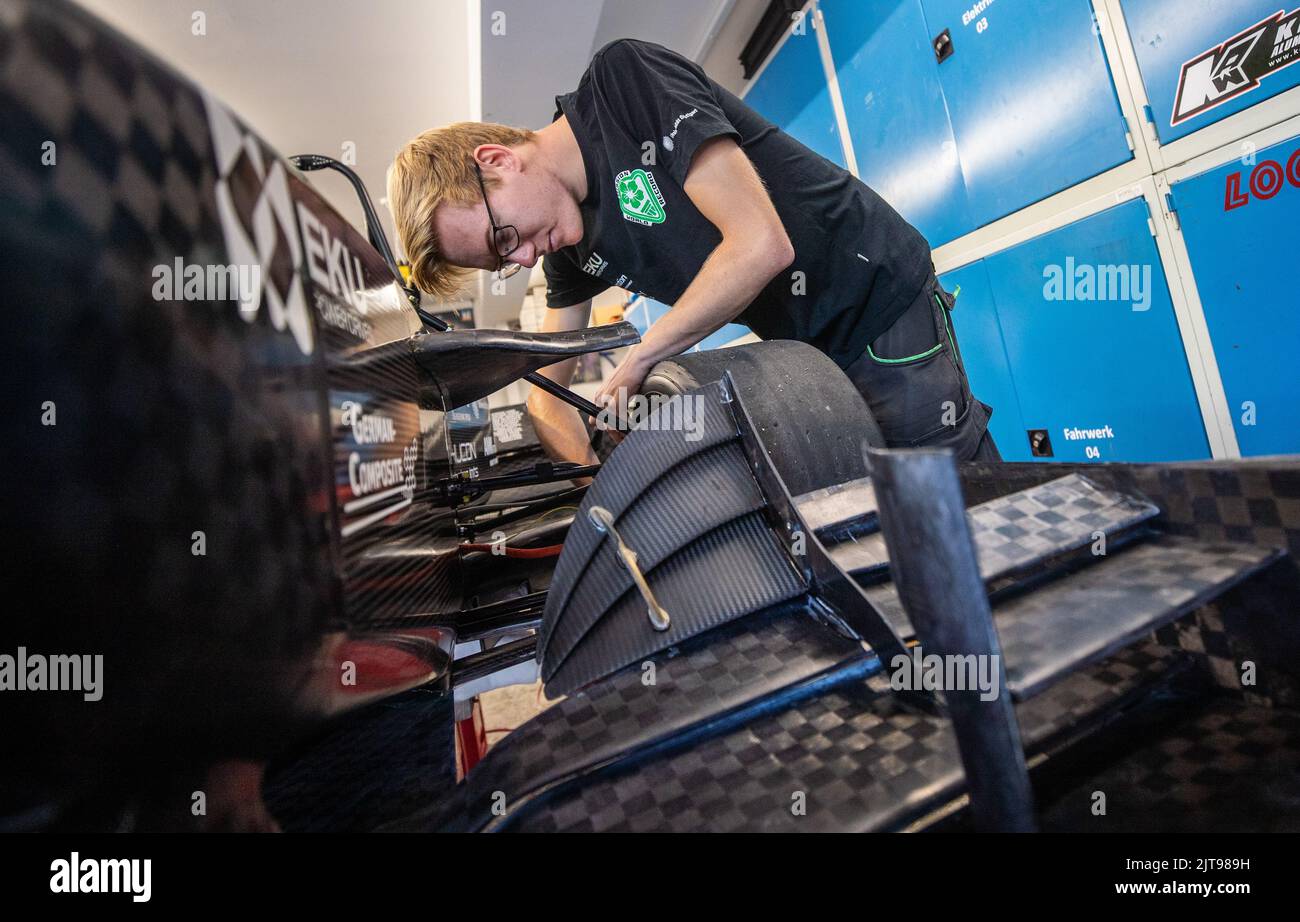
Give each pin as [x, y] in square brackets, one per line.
[911, 358]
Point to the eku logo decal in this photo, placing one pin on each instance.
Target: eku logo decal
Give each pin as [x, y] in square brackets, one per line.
[1237, 66]
[594, 264]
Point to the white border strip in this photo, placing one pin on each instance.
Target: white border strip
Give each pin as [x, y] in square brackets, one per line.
[1233, 129]
[1195, 332]
[1129, 91]
[833, 87]
[1235, 150]
[1127, 76]
[1116, 185]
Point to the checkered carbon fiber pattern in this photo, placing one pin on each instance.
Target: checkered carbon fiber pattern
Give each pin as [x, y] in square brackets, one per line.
[369, 767]
[174, 417]
[258, 222]
[1085, 615]
[1091, 692]
[1027, 527]
[1249, 638]
[131, 142]
[840, 511]
[1255, 501]
[856, 759]
[1228, 766]
[1023, 529]
[696, 683]
[860, 760]
[1204, 635]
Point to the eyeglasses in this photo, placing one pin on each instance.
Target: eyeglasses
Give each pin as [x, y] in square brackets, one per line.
[505, 240]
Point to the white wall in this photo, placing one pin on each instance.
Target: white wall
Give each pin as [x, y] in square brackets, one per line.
[312, 74]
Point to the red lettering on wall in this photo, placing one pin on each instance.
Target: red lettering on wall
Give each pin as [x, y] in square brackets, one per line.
[1266, 180]
[1232, 197]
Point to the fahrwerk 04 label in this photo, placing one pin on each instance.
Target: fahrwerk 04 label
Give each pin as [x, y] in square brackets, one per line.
[1237, 65]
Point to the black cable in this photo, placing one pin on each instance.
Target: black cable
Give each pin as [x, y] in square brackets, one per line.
[520, 511]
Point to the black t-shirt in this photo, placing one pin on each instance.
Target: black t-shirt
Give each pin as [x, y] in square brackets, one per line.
[861, 263]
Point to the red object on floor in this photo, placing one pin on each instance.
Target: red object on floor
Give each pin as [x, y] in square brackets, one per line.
[471, 739]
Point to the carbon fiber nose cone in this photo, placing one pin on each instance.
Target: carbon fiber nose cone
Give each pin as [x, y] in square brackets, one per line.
[681, 496]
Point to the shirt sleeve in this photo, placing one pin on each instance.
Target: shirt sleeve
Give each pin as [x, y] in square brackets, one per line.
[662, 97]
[566, 283]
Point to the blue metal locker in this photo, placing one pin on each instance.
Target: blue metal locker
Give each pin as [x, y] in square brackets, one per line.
[1223, 55]
[1239, 224]
[897, 119]
[791, 92]
[643, 311]
[983, 352]
[1030, 98]
[1093, 344]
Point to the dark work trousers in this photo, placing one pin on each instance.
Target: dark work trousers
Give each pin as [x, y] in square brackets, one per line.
[913, 379]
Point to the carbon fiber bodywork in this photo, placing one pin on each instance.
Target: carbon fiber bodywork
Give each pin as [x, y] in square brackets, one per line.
[231, 430]
[688, 504]
[211, 494]
[1080, 573]
[182, 489]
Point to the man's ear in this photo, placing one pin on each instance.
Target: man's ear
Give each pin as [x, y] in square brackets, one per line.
[497, 157]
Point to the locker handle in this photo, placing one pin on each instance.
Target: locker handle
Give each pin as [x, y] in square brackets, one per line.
[942, 45]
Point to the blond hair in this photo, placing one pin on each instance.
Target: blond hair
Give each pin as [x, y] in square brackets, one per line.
[436, 167]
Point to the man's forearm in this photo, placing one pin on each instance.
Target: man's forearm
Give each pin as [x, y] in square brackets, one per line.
[733, 275]
[560, 429]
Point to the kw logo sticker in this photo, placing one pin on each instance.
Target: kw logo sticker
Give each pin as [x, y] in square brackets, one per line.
[1237, 65]
[639, 198]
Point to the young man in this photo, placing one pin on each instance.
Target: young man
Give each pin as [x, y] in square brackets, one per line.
[654, 178]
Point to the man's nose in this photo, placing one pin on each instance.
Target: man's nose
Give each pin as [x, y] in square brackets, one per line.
[525, 256]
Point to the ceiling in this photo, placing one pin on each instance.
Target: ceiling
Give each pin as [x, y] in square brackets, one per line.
[547, 45]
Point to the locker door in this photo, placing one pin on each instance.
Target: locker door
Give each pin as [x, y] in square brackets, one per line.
[1239, 225]
[979, 335]
[1093, 343]
[643, 311]
[791, 92]
[897, 119]
[1032, 105]
[1229, 50]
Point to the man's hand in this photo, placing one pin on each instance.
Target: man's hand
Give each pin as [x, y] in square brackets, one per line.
[627, 377]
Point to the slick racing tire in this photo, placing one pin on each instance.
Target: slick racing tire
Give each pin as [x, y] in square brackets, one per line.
[813, 421]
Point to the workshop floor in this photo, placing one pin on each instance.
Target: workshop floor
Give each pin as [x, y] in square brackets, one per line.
[506, 708]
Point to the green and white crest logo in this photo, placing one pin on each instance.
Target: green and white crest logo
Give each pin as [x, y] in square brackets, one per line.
[639, 197]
